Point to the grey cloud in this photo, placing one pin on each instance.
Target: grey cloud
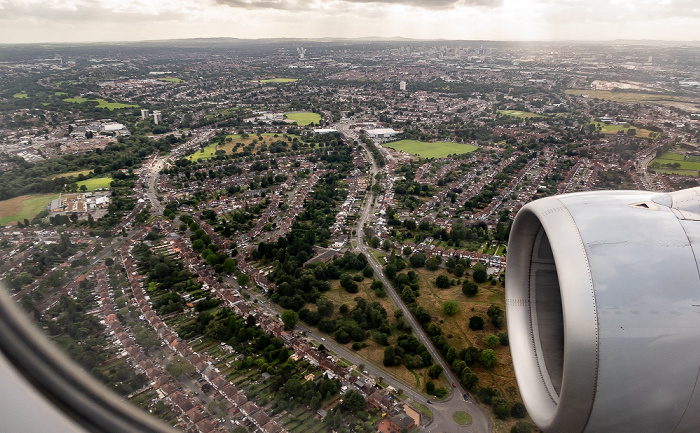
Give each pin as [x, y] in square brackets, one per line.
[303, 5]
[12, 11]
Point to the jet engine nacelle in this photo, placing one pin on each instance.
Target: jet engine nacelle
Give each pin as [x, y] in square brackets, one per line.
[603, 310]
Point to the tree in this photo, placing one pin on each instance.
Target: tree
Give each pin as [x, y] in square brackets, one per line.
[325, 307]
[290, 318]
[442, 281]
[501, 408]
[450, 308]
[435, 371]
[386, 245]
[109, 261]
[353, 402]
[243, 280]
[229, 266]
[479, 273]
[476, 323]
[198, 245]
[497, 316]
[469, 289]
[417, 260]
[432, 263]
[407, 250]
[488, 358]
[518, 410]
[521, 427]
[374, 242]
[492, 341]
[469, 379]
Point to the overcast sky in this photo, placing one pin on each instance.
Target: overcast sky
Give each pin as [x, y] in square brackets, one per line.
[126, 20]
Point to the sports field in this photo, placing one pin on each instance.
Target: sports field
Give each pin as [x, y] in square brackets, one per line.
[101, 103]
[20, 95]
[304, 119]
[685, 167]
[96, 183]
[170, 79]
[521, 114]
[280, 80]
[438, 149]
[25, 206]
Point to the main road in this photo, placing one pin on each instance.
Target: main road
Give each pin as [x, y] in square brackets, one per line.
[443, 410]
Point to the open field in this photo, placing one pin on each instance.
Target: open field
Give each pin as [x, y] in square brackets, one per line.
[280, 80]
[624, 96]
[101, 103]
[96, 183]
[692, 173]
[456, 331]
[237, 144]
[20, 95]
[170, 79]
[684, 167]
[303, 119]
[437, 149]
[521, 114]
[607, 128]
[25, 206]
[72, 173]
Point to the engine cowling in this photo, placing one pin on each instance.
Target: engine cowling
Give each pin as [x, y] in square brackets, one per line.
[603, 311]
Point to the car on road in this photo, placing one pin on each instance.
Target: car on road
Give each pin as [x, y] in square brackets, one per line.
[454, 386]
[466, 397]
[429, 402]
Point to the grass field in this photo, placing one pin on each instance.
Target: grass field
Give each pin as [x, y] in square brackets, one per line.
[462, 418]
[20, 95]
[101, 103]
[170, 79]
[96, 183]
[303, 119]
[607, 128]
[438, 149]
[60, 93]
[280, 80]
[460, 336]
[25, 206]
[622, 96]
[521, 114]
[210, 151]
[686, 167]
[72, 173]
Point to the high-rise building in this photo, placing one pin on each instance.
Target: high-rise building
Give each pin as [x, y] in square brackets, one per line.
[157, 117]
[402, 85]
[144, 114]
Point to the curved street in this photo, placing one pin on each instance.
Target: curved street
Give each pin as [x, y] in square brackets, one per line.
[443, 410]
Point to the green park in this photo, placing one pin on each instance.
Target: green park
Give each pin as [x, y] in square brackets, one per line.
[101, 103]
[25, 206]
[95, 183]
[437, 149]
[279, 80]
[304, 118]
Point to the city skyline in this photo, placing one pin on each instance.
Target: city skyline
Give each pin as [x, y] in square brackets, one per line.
[34, 21]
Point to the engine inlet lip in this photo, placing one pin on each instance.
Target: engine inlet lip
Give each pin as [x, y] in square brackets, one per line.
[568, 410]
